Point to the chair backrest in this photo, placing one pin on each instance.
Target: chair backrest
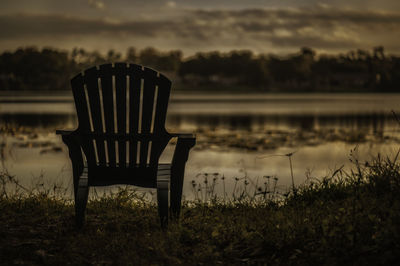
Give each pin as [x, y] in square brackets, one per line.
[121, 111]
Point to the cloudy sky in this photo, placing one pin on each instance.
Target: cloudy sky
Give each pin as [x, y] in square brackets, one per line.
[266, 26]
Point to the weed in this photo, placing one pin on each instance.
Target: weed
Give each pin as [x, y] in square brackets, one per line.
[349, 217]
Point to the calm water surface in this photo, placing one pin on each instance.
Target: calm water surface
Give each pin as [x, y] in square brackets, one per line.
[252, 114]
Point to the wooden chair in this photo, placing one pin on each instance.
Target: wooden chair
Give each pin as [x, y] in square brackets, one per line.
[121, 112]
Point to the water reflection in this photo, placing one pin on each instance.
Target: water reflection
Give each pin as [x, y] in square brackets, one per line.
[256, 117]
[39, 121]
[375, 123]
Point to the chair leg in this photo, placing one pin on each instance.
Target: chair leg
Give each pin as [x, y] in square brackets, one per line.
[179, 159]
[162, 200]
[81, 198]
[177, 176]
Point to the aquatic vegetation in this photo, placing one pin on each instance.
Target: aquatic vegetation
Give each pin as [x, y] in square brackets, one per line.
[274, 139]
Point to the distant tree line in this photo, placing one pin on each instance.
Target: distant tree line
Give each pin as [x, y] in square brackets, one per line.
[51, 69]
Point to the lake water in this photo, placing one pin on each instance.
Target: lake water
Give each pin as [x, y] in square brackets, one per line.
[364, 121]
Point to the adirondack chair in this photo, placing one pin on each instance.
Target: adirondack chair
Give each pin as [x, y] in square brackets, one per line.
[121, 112]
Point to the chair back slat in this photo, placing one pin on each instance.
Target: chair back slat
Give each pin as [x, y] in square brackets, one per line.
[108, 105]
[78, 91]
[164, 87]
[81, 104]
[163, 92]
[135, 82]
[122, 100]
[93, 93]
[147, 112]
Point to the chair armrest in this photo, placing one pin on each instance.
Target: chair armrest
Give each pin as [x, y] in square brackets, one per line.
[184, 135]
[186, 140]
[73, 142]
[69, 137]
[184, 144]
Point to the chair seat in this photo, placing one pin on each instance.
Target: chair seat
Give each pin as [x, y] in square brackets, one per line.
[137, 176]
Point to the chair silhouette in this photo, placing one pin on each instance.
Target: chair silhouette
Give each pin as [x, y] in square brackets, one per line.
[121, 134]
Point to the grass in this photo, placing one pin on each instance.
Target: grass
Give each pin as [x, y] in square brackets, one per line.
[348, 218]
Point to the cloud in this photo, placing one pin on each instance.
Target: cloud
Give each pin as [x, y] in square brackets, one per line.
[321, 27]
[318, 27]
[171, 4]
[96, 4]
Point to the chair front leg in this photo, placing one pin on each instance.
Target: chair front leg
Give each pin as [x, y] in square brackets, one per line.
[75, 155]
[180, 157]
[80, 177]
[81, 198]
[162, 199]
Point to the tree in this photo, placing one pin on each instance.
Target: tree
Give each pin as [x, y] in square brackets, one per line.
[131, 55]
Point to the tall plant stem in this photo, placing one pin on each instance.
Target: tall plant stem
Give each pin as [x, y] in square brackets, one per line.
[291, 172]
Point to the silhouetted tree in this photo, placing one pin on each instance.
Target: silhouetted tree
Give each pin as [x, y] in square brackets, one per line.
[131, 55]
[49, 69]
[31, 69]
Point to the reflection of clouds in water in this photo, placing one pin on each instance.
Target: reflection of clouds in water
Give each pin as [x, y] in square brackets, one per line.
[371, 122]
[26, 163]
[321, 160]
[276, 114]
[234, 112]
